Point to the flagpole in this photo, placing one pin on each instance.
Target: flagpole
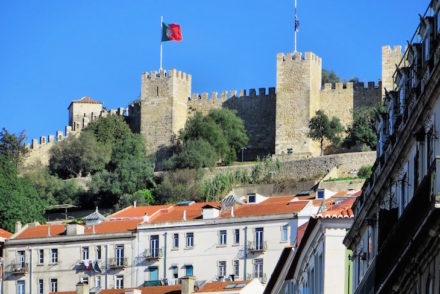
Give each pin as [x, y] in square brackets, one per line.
[161, 32]
[295, 25]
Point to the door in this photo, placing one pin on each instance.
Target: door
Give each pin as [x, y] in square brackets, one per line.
[154, 273]
[21, 259]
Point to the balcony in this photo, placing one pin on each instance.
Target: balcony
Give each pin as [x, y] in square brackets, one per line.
[82, 265]
[153, 253]
[117, 263]
[255, 247]
[18, 268]
[366, 285]
[397, 234]
[261, 277]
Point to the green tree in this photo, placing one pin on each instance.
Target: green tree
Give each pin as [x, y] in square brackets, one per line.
[110, 130]
[329, 77]
[52, 189]
[195, 154]
[78, 156]
[12, 146]
[129, 171]
[221, 129]
[179, 185]
[321, 128]
[363, 131]
[19, 201]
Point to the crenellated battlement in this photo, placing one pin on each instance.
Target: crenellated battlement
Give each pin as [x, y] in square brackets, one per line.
[394, 50]
[298, 57]
[163, 74]
[352, 86]
[225, 95]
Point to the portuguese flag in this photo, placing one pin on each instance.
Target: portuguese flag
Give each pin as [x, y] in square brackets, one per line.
[171, 32]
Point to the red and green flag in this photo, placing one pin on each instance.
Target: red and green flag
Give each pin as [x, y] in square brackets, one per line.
[171, 32]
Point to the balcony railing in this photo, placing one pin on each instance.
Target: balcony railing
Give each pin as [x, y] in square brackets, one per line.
[153, 253]
[19, 268]
[114, 263]
[261, 277]
[400, 234]
[257, 246]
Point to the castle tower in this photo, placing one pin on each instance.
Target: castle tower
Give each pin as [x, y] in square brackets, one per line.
[298, 95]
[390, 58]
[163, 108]
[82, 112]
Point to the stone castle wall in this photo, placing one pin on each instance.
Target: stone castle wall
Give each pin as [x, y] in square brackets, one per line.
[391, 57]
[298, 96]
[256, 109]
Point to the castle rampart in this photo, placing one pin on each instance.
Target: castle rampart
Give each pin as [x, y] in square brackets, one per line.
[391, 58]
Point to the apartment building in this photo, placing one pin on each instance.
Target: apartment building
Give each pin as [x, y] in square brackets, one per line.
[4, 235]
[239, 238]
[320, 263]
[395, 233]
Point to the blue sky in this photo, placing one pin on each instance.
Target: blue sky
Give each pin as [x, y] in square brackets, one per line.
[56, 51]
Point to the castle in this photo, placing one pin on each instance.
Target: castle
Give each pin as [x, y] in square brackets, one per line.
[276, 119]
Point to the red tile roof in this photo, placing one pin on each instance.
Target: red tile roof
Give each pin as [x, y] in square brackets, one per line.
[86, 99]
[5, 234]
[220, 286]
[138, 211]
[300, 233]
[109, 226]
[339, 210]
[175, 213]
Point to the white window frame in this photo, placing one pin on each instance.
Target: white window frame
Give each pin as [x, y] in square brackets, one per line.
[41, 256]
[54, 285]
[40, 286]
[189, 240]
[236, 236]
[221, 265]
[284, 233]
[98, 281]
[21, 287]
[119, 281]
[236, 268]
[85, 253]
[176, 240]
[222, 237]
[53, 256]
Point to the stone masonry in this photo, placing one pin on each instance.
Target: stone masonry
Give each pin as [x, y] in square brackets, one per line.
[276, 119]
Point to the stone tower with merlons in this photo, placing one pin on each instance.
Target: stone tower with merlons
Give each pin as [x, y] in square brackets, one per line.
[297, 100]
[163, 108]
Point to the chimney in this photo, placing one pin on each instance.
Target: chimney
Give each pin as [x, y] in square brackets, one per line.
[82, 288]
[232, 211]
[188, 285]
[48, 230]
[18, 226]
[133, 291]
[134, 203]
[184, 215]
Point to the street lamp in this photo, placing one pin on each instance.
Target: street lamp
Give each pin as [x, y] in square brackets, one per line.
[242, 153]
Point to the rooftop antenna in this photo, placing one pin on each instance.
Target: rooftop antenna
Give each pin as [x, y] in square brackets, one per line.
[296, 25]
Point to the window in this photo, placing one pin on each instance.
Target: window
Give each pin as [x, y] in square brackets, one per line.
[98, 281]
[237, 236]
[416, 170]
[259, 238]
[119, 282]
[222, 237]
[252, 198]
[188, 270]
[154, 245]
[84, 280]
[154, 273]
[20, 287]
[85, 253]
[370, 244]
[403, 193]
[189, 240]
[427, 47]
[98, 252]
[119, 255]
[175, 271]
[289, 150]
[236, 266]
[176, 241]
[320, 274]
[53, 285]
[40, 286]
[21, 258]
[41, 256]
[284, 233]
[53, 256]
[222, 268]
[258, 268]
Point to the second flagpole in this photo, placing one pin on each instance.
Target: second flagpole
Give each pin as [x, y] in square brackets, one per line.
[161, 32]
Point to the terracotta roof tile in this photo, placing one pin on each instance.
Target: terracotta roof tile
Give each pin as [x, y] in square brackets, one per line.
[175, 213]
[41, 231]
[86, 99]
[138, 211]
[339, 210]
[220, 286]
[301, 230]
[5, 234]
